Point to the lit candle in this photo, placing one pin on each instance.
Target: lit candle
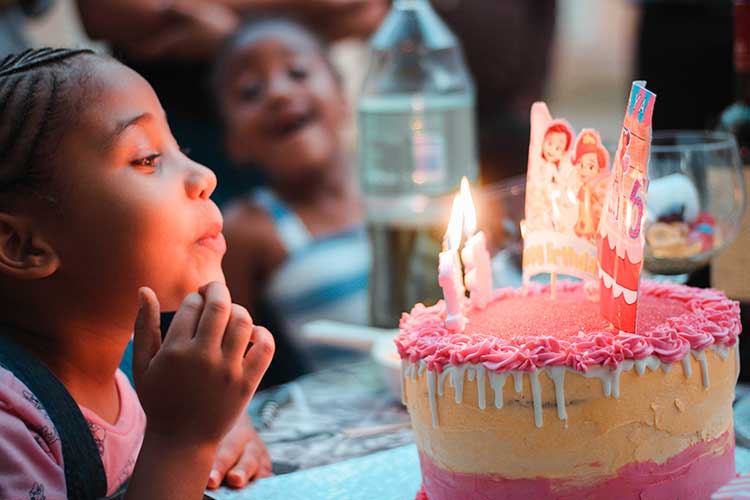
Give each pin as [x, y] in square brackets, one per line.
[474, 254]
[449, 271]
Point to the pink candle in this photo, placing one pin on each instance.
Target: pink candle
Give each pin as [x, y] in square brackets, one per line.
[450, 277]
[474, 254]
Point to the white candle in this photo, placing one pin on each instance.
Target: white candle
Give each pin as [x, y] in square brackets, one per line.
[450, 277]
[474, 254]
[478, 271]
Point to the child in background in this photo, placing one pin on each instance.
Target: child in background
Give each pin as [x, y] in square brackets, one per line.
[100, 214]
[299, 244]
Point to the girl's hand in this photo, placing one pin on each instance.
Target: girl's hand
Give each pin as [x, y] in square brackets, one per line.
[242, 456]
[195, 383]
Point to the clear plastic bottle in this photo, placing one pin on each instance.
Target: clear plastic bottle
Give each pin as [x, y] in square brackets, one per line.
[416, 139]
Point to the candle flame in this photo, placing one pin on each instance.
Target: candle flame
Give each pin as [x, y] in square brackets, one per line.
[453, 234]
[470, 212]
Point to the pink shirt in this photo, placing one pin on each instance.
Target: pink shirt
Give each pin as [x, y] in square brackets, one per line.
[31, 465]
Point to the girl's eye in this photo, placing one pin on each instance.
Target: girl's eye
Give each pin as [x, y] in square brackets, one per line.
[147, 162]
[297, 73]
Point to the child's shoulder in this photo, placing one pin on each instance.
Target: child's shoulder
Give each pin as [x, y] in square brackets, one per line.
[249, 228]
[29, 444]
[246, 220]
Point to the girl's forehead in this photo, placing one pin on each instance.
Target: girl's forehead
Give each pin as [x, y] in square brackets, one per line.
[113, 93]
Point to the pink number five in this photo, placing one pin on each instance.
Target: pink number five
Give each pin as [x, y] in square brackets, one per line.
[637, 201]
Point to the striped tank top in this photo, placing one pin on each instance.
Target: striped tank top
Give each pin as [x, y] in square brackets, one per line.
[322, 278]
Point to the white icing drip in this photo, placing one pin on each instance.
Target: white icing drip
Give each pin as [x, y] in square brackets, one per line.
[640, 366]
[610, 380]
[557, 374]
[441, 381]
[722, 351]
[687, 367]
[481, 372]
[701, 357]
[603, 374]
[653, 363]
[536, 396]
[497, 381]
[457, 381]
[431, 396]
[624, 366]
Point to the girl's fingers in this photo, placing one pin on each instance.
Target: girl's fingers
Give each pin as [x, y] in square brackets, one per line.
[230, 451]
[146, 333]
[185, 320]
[216, 311]
[246, 467]
[259, 356]
[265, 469]
[238, 334]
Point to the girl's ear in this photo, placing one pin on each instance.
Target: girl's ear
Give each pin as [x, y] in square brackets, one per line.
[24, 253]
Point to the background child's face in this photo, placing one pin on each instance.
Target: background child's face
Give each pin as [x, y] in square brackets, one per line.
[283, 106]
[553, 146]
[135, 210]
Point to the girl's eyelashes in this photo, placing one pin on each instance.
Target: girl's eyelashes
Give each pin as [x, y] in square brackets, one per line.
[149, 162]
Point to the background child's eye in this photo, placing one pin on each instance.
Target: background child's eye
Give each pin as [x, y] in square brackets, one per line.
[147, 162]
[249, 92]
[297, 73]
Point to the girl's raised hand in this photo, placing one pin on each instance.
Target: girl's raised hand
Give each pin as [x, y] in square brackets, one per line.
[194, 384]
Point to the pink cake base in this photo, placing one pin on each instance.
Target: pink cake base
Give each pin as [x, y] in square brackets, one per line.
[694, 474]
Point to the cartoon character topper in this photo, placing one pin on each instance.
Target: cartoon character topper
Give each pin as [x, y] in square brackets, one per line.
[620, 251]
[566, 184]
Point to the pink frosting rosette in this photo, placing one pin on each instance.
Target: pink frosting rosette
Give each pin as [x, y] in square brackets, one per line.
[668, 345]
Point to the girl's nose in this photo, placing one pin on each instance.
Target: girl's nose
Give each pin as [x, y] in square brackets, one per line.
[200, 181]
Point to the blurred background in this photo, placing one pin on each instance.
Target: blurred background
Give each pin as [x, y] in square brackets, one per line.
[592, 59]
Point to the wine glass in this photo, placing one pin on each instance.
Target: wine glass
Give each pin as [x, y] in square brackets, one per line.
[696, 199]
[500, 208]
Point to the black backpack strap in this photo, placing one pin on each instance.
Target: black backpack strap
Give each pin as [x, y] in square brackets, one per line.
[85, 478]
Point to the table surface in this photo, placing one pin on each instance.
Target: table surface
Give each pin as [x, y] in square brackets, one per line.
[340, 433]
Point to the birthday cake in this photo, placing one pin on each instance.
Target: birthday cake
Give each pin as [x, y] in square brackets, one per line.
[541, 398]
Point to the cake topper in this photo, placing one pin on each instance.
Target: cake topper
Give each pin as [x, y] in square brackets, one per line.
[566, 183]
[621, 239]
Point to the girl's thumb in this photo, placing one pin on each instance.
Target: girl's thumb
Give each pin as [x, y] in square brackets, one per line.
[146, 334]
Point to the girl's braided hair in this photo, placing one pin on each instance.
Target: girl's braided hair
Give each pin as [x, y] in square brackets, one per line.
[34, 85]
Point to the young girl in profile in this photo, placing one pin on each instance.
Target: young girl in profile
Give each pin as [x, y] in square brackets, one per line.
[102, 220]
[299, 245]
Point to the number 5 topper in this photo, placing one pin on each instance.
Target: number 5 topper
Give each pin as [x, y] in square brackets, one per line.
[621, 239]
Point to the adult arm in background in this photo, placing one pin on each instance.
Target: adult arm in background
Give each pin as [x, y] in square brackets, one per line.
[334, 19]
[148, 30]
[193, 29]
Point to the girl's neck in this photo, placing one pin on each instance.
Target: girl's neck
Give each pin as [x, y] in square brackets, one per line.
[83, 356]
[335, 181]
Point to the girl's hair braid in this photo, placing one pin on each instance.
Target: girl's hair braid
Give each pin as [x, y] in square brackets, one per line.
[33, 84]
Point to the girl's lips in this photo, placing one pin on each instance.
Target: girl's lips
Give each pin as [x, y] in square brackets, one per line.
[214, 242]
